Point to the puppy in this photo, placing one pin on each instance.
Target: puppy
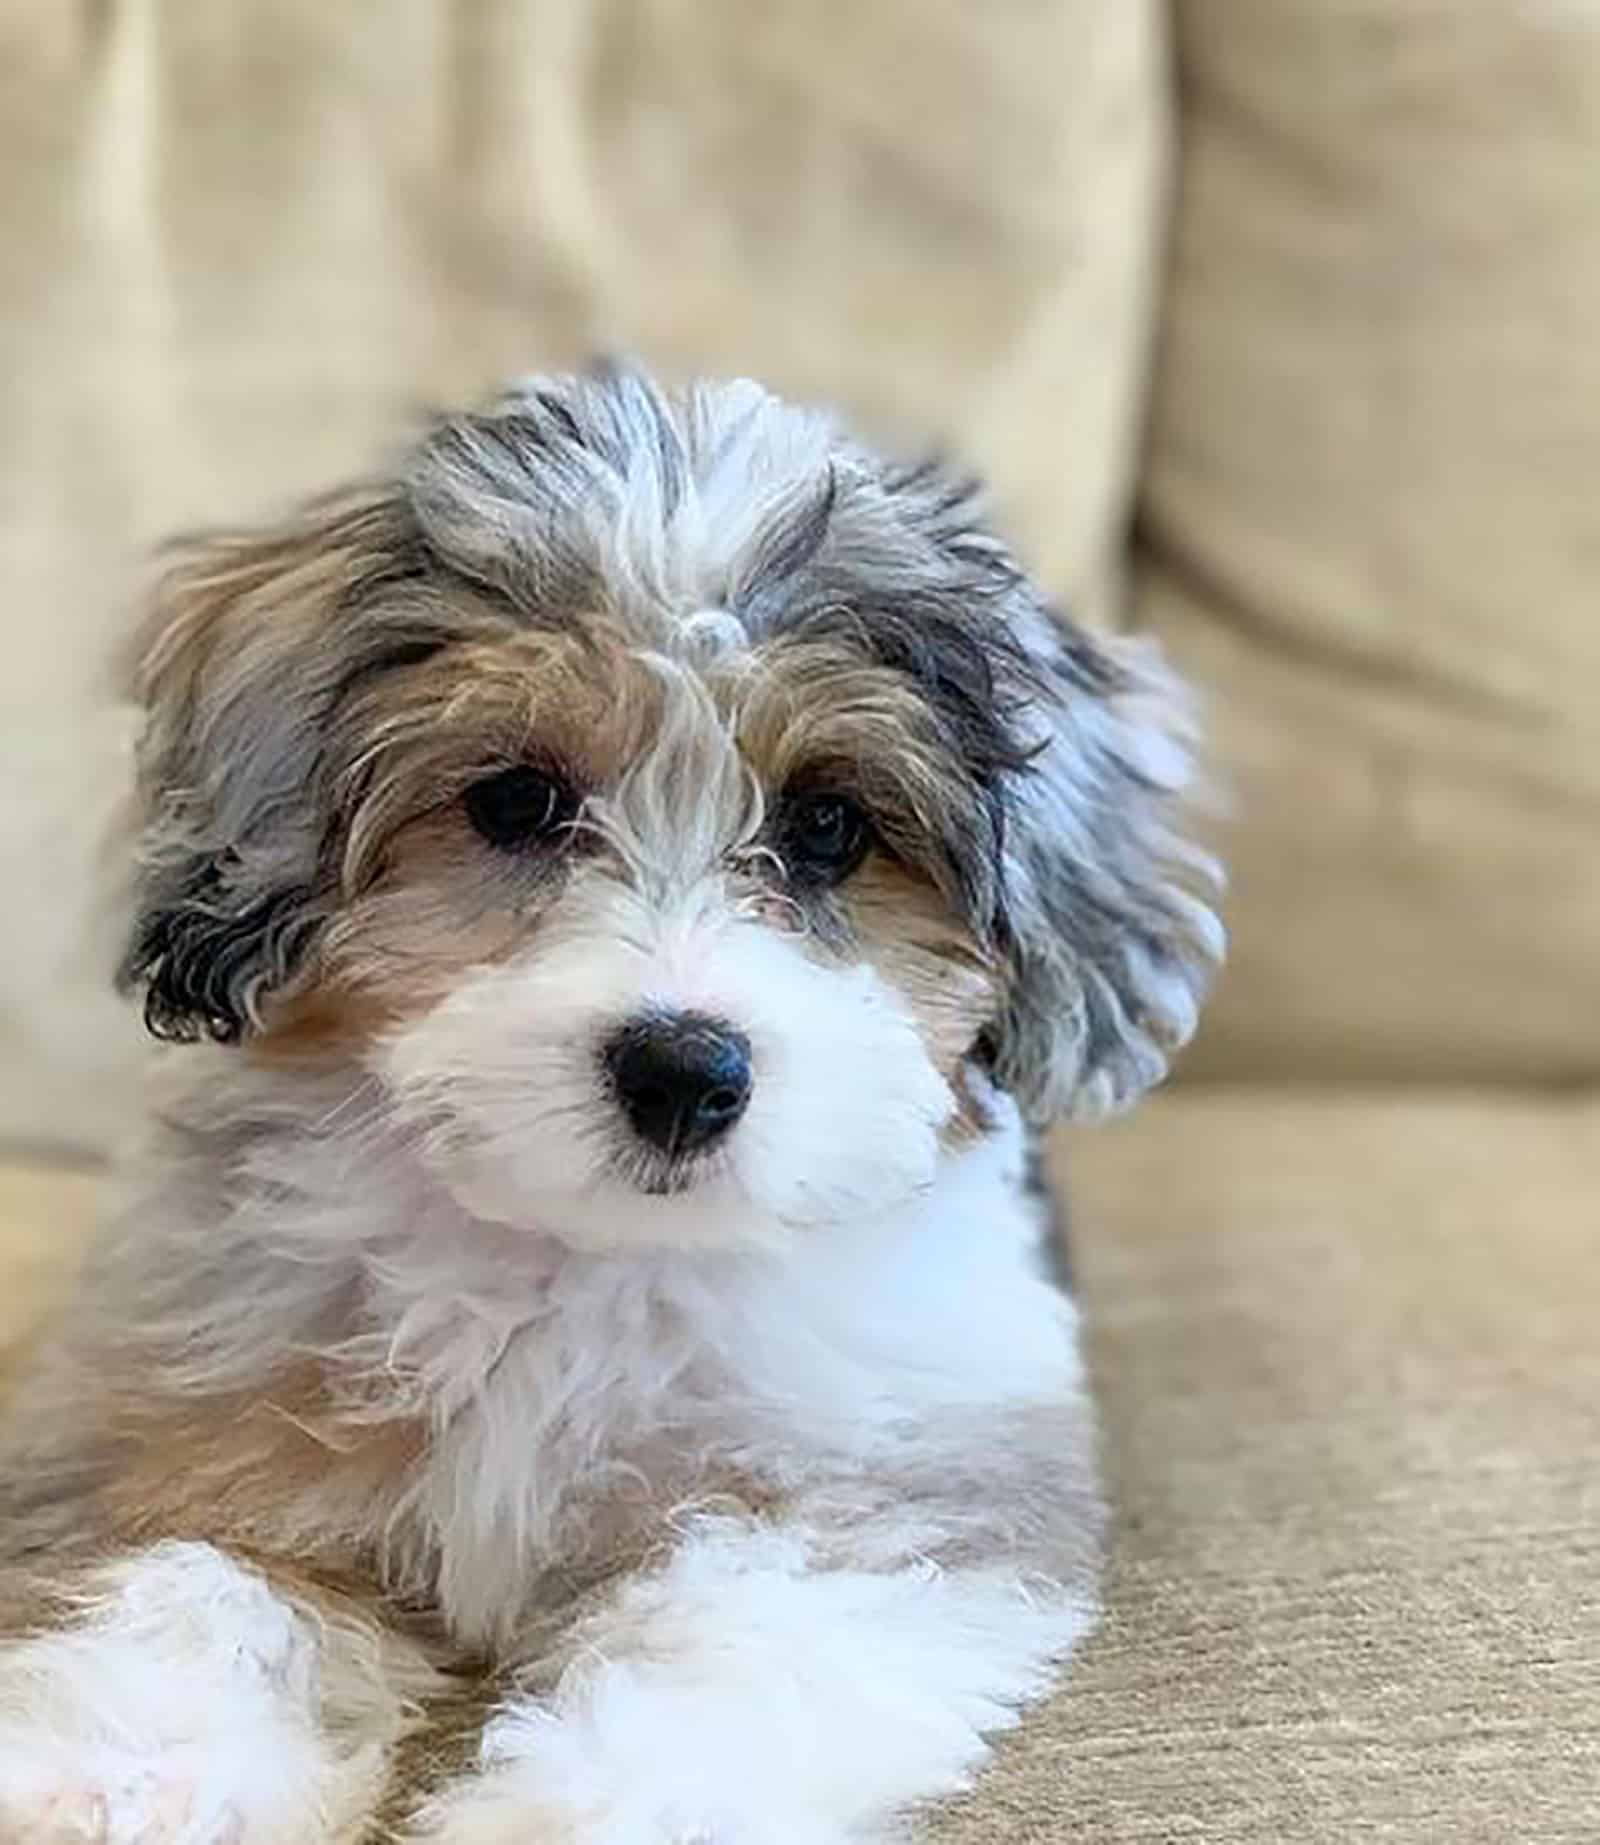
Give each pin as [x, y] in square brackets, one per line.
[578, 1363]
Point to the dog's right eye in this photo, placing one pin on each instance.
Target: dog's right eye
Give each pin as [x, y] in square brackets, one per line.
[520, 807]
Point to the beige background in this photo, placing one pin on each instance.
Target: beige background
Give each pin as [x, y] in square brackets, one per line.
[1371, 525]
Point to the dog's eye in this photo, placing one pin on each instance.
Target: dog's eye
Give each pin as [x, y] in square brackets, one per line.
[519, 807]
[824, 837]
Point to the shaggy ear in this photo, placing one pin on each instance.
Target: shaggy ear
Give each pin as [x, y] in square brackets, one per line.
[1113, 941]
[237, 665]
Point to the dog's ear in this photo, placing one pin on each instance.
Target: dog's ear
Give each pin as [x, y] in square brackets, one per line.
[236, 667]
[1112, 940]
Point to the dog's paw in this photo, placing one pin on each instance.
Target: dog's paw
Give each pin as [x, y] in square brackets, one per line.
[507, 1810]
[111, 1803]
[501, 1825]
[475, 1815]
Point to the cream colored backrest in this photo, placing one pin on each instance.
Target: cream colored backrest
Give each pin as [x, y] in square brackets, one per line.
[1372, 525]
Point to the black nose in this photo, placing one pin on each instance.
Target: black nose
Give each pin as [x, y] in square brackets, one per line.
[682, 1078]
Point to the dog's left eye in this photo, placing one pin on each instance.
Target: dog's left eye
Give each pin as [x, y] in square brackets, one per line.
[824, 837]
[520, 806]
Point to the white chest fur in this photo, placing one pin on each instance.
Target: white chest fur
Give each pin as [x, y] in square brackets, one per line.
[554, 1380]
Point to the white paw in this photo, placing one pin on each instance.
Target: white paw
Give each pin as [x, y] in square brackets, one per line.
[465, 1820]
[494, 1812]
[179, 1709]
[111, 1803]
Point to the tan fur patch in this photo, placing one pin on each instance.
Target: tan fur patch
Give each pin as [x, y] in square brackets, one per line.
[945, 977]
[280, 1473]
[423, 896]
[815, 711]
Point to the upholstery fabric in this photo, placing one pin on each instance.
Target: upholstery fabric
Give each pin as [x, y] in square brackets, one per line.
[1351, 1396]
[1371, 526]
[247, 241]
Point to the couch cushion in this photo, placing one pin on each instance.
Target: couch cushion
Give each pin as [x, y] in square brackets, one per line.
[245, 242]
[1345, 1356]
[1372, 524]
[1350, 1388]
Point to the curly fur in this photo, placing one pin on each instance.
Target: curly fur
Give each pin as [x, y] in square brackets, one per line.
[427, 1456]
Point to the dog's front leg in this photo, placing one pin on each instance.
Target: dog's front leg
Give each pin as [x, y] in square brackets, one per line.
[184, 1698]
[770, 1685]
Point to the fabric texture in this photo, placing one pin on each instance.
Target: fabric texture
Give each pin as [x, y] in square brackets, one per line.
[1371, 521]
[1344, 1353]
[249, 241]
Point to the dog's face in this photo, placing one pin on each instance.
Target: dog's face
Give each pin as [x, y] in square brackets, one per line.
[684, 818]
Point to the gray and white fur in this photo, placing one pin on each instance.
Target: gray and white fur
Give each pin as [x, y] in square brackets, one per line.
[630, 882]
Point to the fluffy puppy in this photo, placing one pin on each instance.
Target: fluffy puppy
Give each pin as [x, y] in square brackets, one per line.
[577, 1364]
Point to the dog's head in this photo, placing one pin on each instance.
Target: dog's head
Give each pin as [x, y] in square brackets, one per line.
[685, 818]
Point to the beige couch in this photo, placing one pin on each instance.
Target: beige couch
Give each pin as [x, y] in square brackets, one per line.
[1274, 322]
